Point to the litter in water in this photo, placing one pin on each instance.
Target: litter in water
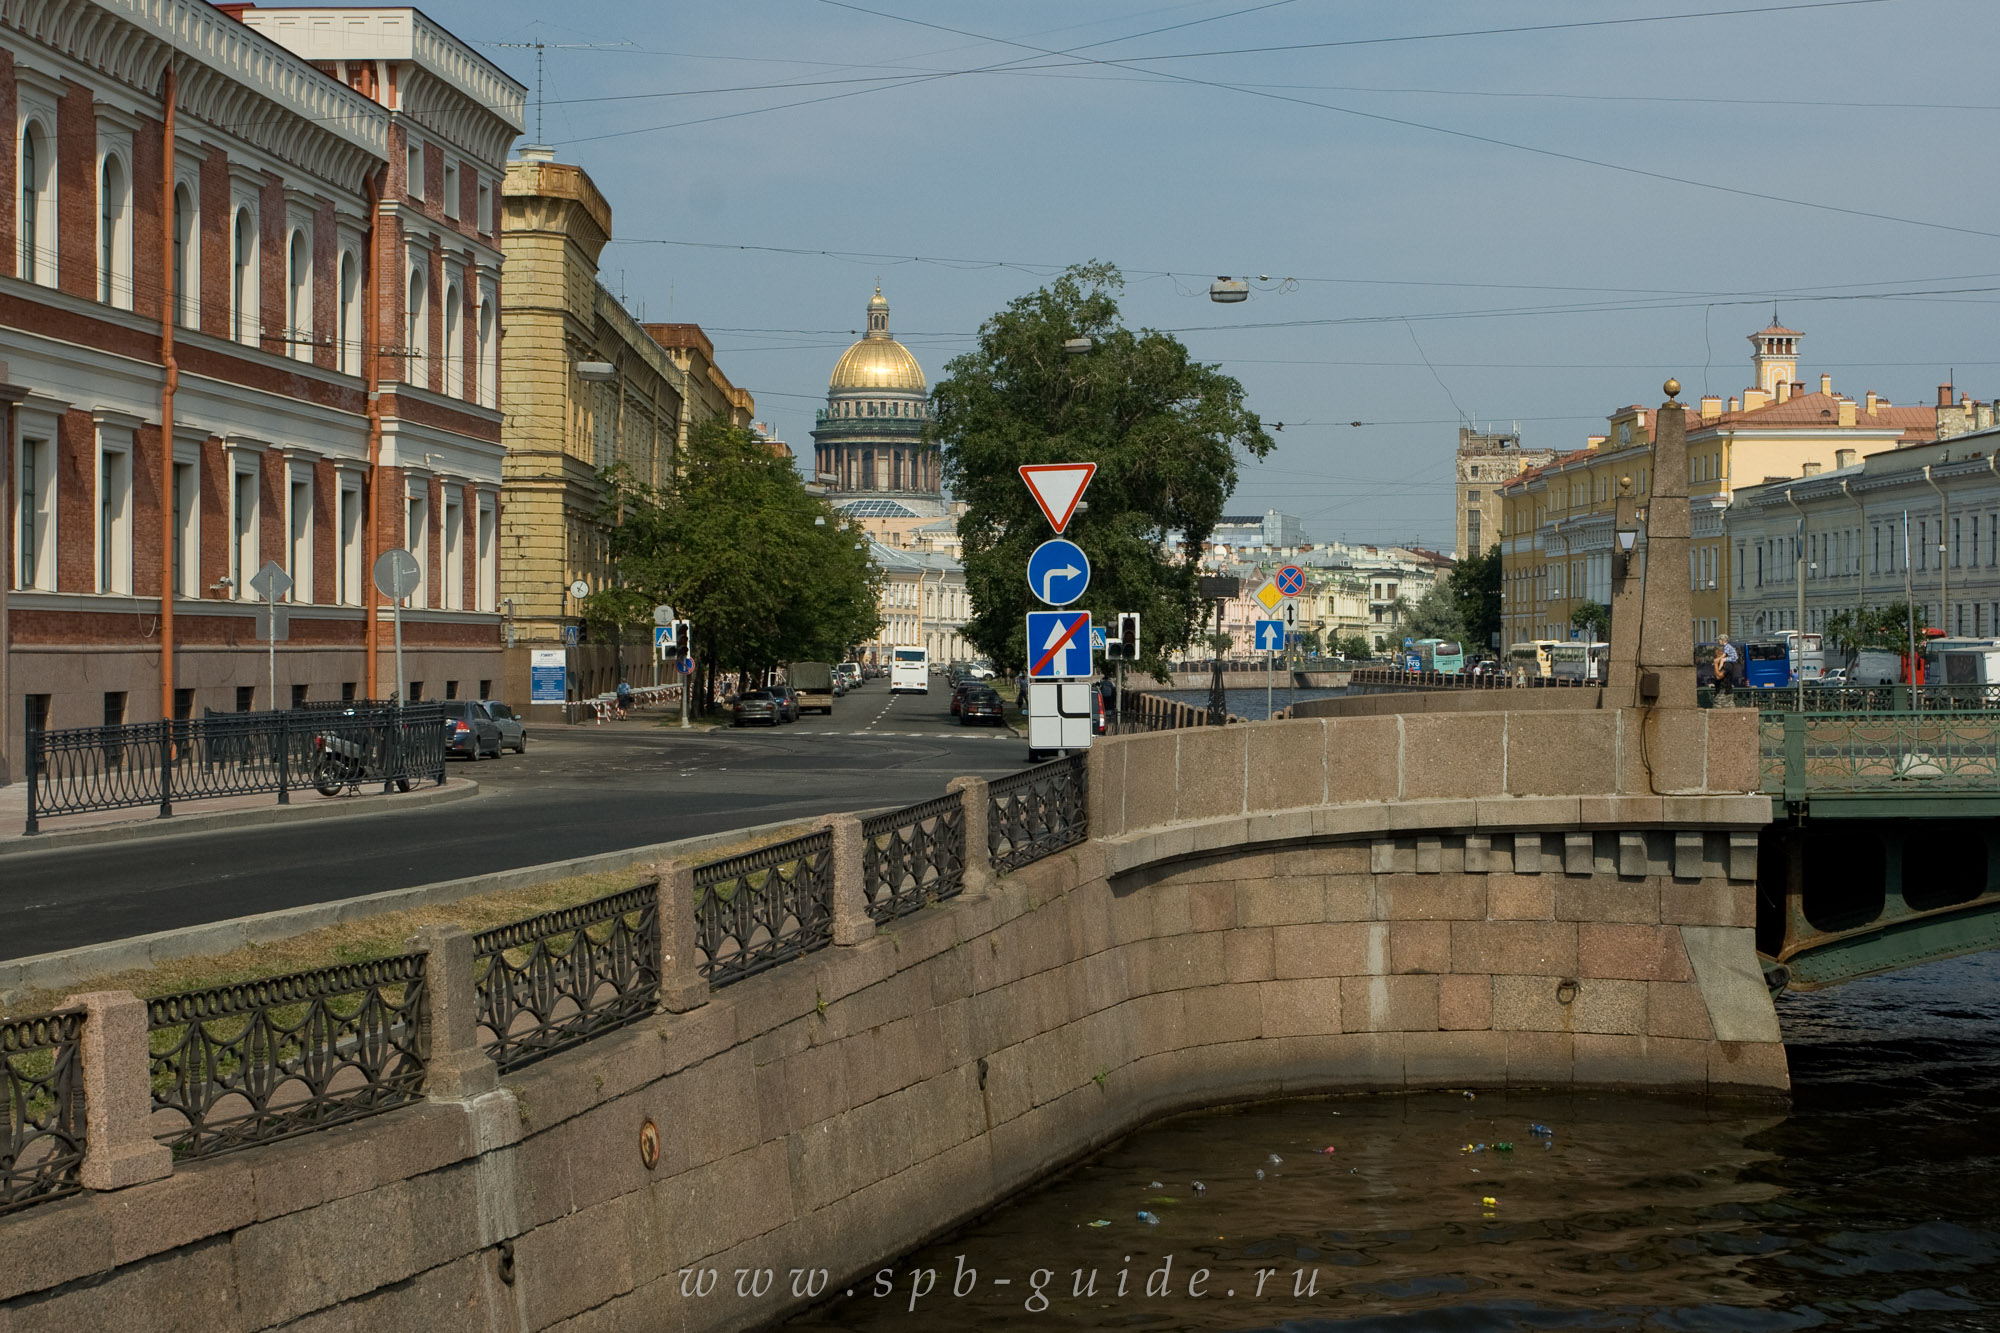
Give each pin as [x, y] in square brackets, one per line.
[1101, 1222]
[1148, 1218]
[1541, 1131]
[1260, 1173]
[1155, 1185]
[1489, 1202]
[1200, 1188]
[1276, 1160]
[1503, 1147]
[1473, 1147]
[1327, 1151]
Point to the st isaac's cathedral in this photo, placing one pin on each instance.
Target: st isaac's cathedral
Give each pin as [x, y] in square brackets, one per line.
[868, 446]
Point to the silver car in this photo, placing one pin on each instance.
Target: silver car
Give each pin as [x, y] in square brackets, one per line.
[513, 731]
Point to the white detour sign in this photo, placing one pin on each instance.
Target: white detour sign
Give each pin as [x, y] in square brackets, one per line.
[1059, 714]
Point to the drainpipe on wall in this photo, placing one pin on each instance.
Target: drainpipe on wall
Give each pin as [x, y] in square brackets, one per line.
[10, 395]
[370, 320]
[169, 302]
[1944, 574]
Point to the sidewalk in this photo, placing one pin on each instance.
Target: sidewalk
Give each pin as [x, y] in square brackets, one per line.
[102, 826]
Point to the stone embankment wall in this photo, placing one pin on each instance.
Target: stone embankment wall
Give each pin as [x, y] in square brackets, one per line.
[1263, 910]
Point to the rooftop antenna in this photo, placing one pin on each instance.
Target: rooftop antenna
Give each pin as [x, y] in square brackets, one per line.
[538, 48]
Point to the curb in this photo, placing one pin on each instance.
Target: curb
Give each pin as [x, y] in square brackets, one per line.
[67, 967]
[454, 789]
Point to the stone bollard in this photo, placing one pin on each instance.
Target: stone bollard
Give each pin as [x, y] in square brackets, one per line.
[458, 1067]
[851, 922]
[682, 986]
[117, 1093]
[979, 876]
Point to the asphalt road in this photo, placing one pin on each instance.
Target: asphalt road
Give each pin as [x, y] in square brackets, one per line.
[577, 791]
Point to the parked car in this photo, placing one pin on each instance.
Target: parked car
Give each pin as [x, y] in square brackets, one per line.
[468, 730]
[980, 703]
[958, 693]
[788, 703]
[513, 731]
[839, 686]
[756, 706]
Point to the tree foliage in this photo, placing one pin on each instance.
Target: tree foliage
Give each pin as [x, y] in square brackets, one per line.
[1161, 428]
[1593, 617]
[732, 543]
[1475, 588]
[1355, 647]
[1885, 627]
[1434, 615]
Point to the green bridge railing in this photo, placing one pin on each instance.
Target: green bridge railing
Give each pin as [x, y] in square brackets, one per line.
[1913, 754]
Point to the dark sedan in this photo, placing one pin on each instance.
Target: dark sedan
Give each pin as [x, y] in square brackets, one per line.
[469, 731]
[981, 704]
[757, 706]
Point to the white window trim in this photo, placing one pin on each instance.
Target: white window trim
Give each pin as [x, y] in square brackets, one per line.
[111, 546]
[484, 222]
[417, 331]
[452, 553]
[114, 287]
[352, 311]
[188, 296]
[486, 549]
[453, 182]
[300, 331]
[453, 351]
[348, 573]
[486, 340]
[417, 536]
[41, 115]
[245, 306]
[246, 549]
[413, 156]
[187, 453]
[37, 422]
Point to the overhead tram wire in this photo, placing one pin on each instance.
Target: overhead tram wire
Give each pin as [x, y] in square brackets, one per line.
[1470, 136]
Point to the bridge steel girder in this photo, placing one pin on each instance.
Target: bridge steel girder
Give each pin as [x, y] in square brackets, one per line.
[1832, 957]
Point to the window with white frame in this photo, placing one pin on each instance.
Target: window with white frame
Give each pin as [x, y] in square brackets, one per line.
[244, 559]
[114, 509]
[485, 223]
[35, 512]
[299, 528]
[488, 364]
[348, 568]
[36, 221]
[417, 325]
[488, 552]
[413, 167]
[450, 188]
[187, 522]
[299, 296]
[243, 275]
[114, 233]
[453, 351]
[349, 312]
[187, 257]
[417, 541]
[452, 531]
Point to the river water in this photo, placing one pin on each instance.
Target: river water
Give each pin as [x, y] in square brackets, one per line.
[1872, 1202]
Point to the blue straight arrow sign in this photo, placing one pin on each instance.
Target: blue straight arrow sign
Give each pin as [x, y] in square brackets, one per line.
[1271, 634]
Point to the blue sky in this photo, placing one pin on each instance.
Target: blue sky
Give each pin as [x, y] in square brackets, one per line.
[1408, 244]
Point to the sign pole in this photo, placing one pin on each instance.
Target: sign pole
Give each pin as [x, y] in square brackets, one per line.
[271, 646]
[396, 614]
[1270, 680]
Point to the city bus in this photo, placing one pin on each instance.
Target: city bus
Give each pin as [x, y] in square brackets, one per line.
[1445, 656]
[1531, 659]
[1766, 664]
[1579, 661]
[1809, 665]
[910, 671]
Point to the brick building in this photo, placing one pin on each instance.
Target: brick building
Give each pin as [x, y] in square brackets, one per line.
[191, 325]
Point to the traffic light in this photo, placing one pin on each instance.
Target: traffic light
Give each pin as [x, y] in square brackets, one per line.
[684, 638]
[1123, 646]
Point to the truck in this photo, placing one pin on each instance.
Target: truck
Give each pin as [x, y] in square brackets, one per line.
[814, 682]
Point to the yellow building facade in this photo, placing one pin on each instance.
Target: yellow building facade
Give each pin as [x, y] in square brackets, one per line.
[1557, 520]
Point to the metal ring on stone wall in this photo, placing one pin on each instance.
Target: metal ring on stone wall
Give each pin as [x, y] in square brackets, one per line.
[1565, 991]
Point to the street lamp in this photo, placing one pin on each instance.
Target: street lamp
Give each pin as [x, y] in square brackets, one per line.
[1628, 539]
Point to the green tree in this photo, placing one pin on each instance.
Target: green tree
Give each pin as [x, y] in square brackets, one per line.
[1162, 429]
[765, 572]
[1592, 617]
[1885, 627]
[1475, 587]
[1435, 615]
[1355, 647]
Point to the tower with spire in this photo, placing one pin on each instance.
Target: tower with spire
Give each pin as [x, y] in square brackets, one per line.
[869, 448]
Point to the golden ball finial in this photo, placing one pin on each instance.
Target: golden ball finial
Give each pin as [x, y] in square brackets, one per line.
[1673, 388]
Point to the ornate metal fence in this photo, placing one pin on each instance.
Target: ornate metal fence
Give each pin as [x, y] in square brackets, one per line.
[913, 857]
[83, 769]
[1861, 698]
[1805, 753]
[264, 1060]
[555, 981]
[755, 911]
[1037, 811]
[42, 1155]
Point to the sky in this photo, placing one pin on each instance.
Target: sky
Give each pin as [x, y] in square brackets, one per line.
[1504, 213]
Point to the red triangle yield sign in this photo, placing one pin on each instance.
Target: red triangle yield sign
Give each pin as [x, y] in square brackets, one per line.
[1057, 487]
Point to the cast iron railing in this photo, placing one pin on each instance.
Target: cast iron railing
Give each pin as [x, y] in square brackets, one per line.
[1802, 754]
[913, 857]
[265, 1060]
[83, 769]
[1037, 811]
[555, 981]
[1860, 698]
[755, 911]
[42, 1155]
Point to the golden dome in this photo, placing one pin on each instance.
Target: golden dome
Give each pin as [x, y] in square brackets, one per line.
[878, 363]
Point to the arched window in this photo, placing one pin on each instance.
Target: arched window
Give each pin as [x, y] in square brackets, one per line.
[114, 234]
[186, 298]
[37, 230]
[349, 314]
[453, 351]
[243, 279]
[489, 348]
[299, 299]
[416, 334]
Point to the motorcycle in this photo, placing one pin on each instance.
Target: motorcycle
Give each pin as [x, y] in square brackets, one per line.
[342, 762]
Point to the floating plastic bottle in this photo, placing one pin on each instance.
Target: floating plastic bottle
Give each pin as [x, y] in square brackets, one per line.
[1260, 1173]
[1148, 1218]
[1503, 1147]
[1155, 1185]
[1541, 1131]
[1276, 1160]
[1200, 1188]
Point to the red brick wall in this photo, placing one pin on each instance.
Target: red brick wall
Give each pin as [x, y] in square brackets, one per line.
[434, 576]
[146, 524]
[76, 192]
[76, 503]
[435, 371]
[271, 281]
[469, 543]
[216, 225]
[10, 117]
[272, 537]
[148, 256]
[214, 514]
[326, 286]
[326, 533]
